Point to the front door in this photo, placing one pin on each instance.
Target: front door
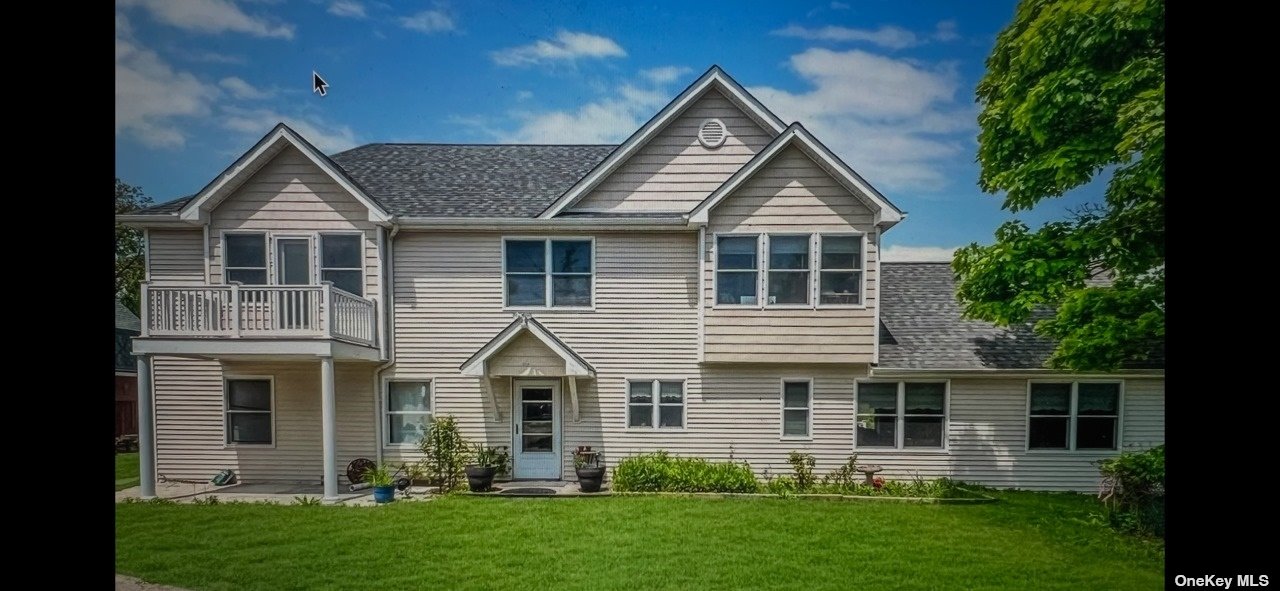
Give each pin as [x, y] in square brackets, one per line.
[536, 429]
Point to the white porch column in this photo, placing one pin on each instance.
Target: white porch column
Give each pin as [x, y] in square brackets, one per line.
[146, 431]
[328, 418]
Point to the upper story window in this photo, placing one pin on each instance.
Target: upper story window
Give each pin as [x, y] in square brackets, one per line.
[1073, 415]
[900, 415]
[788, 269]
[803, 270]
[840, 269]
[548, 273]
[246, 258]
[340, 262]
[737, 270]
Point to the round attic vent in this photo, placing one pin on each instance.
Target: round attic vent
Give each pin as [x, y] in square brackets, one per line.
[712, 133]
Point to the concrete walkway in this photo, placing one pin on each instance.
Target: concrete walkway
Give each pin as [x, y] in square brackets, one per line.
[282, 493]
[128, 583]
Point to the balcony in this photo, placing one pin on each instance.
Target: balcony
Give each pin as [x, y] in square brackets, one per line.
[191, 319]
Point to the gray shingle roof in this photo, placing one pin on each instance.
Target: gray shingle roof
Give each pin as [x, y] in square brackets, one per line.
[921, 327]
[469, 180]
[458, 180]
[126, 320]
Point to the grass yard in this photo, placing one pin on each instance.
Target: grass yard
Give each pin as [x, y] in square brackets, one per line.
[1026, 541]
[126, 470]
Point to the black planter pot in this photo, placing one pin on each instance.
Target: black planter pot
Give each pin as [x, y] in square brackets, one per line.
[590, 478]
[480, 478]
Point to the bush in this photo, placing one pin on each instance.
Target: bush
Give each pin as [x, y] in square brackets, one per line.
[660, 472]
[802, 465]
[445, 454]
[1133, 491]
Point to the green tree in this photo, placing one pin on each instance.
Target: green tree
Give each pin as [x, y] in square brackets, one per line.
[1074, 89]
[130, 255]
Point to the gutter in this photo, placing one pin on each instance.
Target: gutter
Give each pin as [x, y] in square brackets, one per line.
[909, 372]
[389, 288]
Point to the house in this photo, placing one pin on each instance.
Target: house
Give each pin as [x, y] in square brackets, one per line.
[127, 326]
[712, 287]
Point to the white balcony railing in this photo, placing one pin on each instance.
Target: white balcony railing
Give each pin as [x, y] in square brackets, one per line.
[261, 311]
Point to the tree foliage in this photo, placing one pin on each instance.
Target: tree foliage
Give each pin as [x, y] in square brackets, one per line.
[130, 251]
[1075, 89]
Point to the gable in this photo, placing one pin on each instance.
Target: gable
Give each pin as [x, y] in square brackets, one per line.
[525, 355]
[791, 192]
[287, 191]
[673, 171]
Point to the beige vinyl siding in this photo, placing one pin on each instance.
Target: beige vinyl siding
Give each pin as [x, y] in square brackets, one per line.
[191, 433]
[291, 196]
[448, 304]
[987, 439]
[791, 194]
[525, 355]
[176, 257]
[673, 172]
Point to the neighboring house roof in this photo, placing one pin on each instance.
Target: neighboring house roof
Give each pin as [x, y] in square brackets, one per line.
[126, 320]
[921, 327]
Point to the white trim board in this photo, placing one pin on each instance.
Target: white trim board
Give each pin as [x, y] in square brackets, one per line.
[886, 214]
[574, 365]
[197, 210]
[714, 77]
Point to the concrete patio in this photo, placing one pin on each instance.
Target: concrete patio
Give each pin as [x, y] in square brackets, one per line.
[286, 493]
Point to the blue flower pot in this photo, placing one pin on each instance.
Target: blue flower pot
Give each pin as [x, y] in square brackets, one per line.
[384, 494]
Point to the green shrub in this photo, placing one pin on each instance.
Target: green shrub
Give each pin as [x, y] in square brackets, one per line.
[802, 466]
[445, 454]
[661, 472]
[845, 477]
[782, 486]
[1133, 491]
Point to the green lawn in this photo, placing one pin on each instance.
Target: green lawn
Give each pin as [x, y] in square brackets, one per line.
[126, 470]
[1026, 541]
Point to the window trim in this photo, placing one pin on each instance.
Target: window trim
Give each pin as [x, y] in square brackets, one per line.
[862, 279]
[657, 392]
[767, 268]
[547, 307]
[783, 408]
[226, 410]
[899, 436]
[386, 411]
[715, 270]
[268, 249]
[1071, 420]
[319, 258]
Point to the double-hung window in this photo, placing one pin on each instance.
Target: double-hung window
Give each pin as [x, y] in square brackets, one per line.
[246, 258]
[789, 275]
[249, 410]
[655, 402]
[901, 415]
[548, 273]
[797, 407]
[408, 411]
[1073, 415]
[340, 262]
[737, 270]
[840, 269]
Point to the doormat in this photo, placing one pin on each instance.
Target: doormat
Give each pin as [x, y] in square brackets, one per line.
[529, 491]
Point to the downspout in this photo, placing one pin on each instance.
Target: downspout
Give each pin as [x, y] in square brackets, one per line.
[388, 288]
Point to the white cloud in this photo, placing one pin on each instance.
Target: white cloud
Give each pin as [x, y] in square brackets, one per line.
[210, 16]
[347, 9]
[887, 36]
[896, 253]
[665, 74]
[946, 31]
[255, 123]
[523, 95]
[839, 6]
[206, 57]
[151, 96]
[243, 90]
[566, 47]
[896, 121]
[428, 21]
[608, 120]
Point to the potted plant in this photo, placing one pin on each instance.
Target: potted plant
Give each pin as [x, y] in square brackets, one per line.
[382, 478]
[586, 464]
[488, 462]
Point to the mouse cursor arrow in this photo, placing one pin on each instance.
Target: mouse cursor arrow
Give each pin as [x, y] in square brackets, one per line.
[318, 84]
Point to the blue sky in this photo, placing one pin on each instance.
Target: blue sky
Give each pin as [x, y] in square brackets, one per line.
[888, 85]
